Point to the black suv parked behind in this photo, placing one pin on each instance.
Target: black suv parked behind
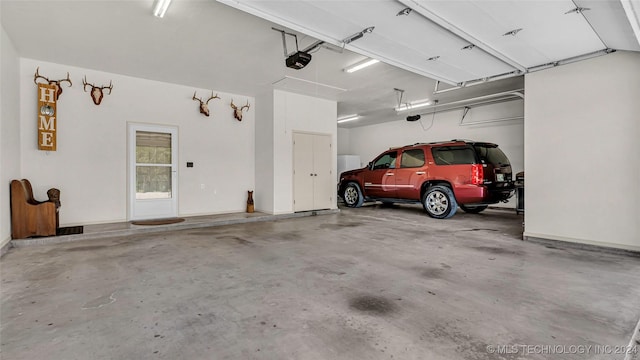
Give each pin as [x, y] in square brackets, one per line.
[440, 175]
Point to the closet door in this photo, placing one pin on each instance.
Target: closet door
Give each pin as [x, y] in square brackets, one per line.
[324, 187]
[303, 172]
[313, 186]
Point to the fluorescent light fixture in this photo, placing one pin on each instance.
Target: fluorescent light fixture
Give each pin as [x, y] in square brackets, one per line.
[361, 65]
[348, 118]
[413, 105]
[161, 7]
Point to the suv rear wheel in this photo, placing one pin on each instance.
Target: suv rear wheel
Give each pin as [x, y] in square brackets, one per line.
[439, 202]
[473, 209]
[352, 195]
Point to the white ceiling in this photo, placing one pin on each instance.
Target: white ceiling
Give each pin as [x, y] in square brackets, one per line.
[207, 44]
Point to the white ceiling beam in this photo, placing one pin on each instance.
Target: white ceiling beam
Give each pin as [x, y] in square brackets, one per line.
[418, 7]
[632, 10]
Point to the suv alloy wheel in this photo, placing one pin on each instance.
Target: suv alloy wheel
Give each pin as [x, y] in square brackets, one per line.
[439, 202]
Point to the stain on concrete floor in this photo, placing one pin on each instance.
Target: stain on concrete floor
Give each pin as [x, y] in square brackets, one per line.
[419, 289]
[372, 304]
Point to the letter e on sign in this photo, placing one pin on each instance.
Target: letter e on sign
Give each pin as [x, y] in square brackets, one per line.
[47, 126]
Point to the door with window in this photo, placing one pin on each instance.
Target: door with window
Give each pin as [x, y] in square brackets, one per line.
[411, 173]
[380, 181]
[152, 171]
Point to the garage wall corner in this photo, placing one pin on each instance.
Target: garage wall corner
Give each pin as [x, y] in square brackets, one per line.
[9, 129]
[581, 152]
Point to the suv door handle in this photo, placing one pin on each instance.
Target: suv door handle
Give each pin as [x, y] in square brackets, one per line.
[420, 172]
[388, 174]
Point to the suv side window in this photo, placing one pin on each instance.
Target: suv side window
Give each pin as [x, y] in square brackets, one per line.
[453, 155]
[386, 161]
[412, 158]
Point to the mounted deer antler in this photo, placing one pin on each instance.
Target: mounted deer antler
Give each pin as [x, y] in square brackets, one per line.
[204, 106]
[237, 112]
[96, 91]
[37, 76]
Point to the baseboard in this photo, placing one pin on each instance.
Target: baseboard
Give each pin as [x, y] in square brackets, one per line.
[583, 244]
[4, 248]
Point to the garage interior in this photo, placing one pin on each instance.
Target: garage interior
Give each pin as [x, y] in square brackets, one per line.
[555, 84]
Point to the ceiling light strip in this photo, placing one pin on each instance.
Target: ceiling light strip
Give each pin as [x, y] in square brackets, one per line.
[415, 5]
[633, 15]
[161, 7]
[361, 65]
[348, 118]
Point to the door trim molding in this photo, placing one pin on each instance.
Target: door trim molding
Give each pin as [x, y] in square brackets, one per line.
[132, 127]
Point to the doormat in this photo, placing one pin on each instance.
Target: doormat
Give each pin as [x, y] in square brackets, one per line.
[158, 221]
[70, 230]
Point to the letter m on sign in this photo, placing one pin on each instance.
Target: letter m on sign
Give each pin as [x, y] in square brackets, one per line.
[47, 103]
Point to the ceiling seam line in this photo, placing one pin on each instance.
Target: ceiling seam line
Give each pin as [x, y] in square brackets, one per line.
[591, 26]
[463, 34]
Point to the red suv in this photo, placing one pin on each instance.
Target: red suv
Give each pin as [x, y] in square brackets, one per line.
[440, 175]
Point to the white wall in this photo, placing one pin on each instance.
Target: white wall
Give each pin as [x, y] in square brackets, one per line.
[582, 155]
[90, 165]
[9, 129]
[301, 113]
[264, 154]
[343, 141]
[370, 141]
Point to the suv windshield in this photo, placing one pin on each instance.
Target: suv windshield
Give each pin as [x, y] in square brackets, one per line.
[491, 154]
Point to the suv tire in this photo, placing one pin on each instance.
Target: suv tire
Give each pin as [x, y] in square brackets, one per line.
[439, 202]
[473, 209]
[352, 195]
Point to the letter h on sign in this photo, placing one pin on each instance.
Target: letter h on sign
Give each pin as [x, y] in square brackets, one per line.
[47, 117]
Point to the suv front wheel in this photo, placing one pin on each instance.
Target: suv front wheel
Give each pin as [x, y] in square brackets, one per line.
[439, 202]
[352, 195]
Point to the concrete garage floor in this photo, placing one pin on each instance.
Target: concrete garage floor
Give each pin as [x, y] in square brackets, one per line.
[368, 283]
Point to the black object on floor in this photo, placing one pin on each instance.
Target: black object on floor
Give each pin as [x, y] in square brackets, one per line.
[70, 230]
[157, 221]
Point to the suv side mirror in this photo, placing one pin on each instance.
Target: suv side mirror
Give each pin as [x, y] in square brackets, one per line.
[370, 165]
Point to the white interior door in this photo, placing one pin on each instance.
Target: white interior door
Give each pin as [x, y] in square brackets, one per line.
[302, 172]
[153, 160]
[323, 185]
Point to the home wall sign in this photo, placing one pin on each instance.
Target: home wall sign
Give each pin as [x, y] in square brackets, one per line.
[47, 125]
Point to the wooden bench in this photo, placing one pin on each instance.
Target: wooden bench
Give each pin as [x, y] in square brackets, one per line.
[30, 217]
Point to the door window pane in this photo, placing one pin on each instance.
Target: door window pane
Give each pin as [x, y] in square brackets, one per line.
[386, 161]
[153, 148]
[153, 182]
[412, 158]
